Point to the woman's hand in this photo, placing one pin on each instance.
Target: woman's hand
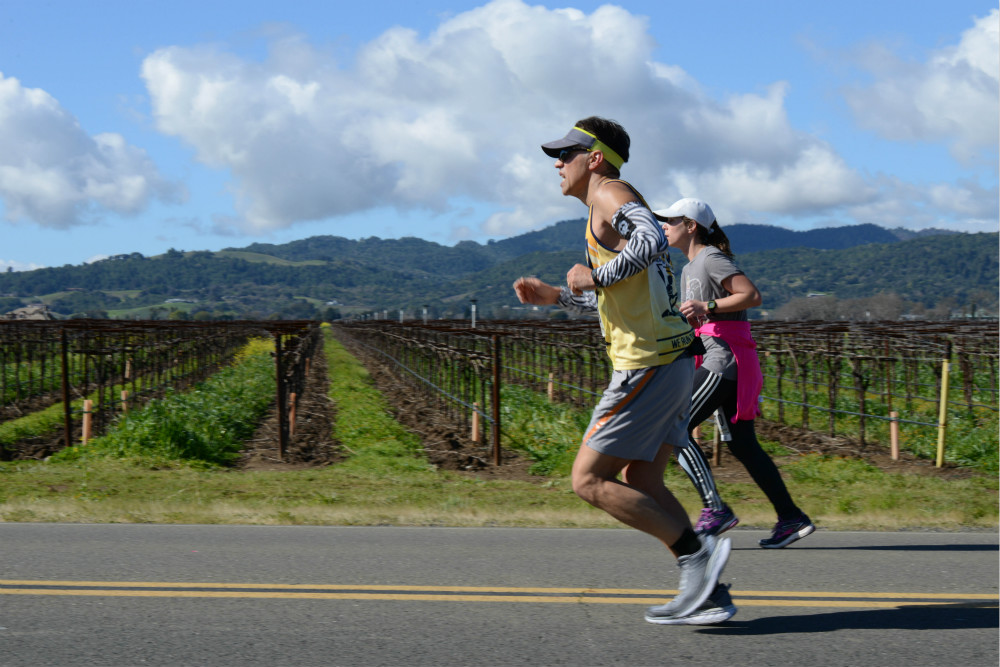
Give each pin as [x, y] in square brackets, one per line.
[694, 310]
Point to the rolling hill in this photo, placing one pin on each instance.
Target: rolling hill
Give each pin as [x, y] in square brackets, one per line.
[323, 276]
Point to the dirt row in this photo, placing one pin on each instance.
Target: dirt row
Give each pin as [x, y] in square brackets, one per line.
[311, 442]
[448, 445]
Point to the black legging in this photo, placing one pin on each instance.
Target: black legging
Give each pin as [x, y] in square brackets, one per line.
[712, 392]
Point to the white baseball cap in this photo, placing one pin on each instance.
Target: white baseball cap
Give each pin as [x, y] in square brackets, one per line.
[688, 207]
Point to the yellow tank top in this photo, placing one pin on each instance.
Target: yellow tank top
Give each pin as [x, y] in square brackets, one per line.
[639, 318]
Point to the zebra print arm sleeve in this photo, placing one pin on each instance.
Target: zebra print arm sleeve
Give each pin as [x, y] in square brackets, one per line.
[582, 304]
[635, 223]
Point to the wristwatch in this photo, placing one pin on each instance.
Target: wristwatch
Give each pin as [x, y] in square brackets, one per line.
[711, 306]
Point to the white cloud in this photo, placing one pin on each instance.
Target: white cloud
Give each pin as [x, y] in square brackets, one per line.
[962, 206]
[423, 122]
[420, 122]
[15, 265]
[818, 180]
[54, 174]
[954, 96]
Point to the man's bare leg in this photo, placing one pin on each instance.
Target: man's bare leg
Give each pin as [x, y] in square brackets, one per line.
[595, 481]
[647, 476]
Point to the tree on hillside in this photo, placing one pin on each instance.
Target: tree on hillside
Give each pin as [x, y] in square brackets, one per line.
[809, 308]
[888, 306]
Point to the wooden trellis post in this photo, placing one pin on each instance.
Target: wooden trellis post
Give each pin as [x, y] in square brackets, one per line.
[942, 413]
[280, 397]
[67, 412]
[496, 399]
[88, 408]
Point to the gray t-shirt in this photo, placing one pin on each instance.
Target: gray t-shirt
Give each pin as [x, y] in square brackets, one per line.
[701, 279]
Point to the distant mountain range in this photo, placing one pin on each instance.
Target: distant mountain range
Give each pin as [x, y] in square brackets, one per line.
[329, 275]
[565, 236]
[756, 238]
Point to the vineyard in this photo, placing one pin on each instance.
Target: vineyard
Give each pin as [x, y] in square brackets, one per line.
[927, 384]
[926, 389]
[64, 382]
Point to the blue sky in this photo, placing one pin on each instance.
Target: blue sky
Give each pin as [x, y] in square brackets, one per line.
[139, 126]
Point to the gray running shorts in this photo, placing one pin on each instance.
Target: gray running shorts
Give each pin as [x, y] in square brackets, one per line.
[642, 410]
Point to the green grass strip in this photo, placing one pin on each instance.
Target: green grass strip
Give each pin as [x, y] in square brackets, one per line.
[547, 432]
[50, 420]
[38, 423]
[204, 426]
[364, 426]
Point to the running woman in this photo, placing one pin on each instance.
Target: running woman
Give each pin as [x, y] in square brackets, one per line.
[716, 297]
[644, 411]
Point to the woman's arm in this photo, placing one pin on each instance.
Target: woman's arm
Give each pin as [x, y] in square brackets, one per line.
[743, 294]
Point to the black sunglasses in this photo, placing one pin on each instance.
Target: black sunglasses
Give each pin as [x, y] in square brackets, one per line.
[566, 152]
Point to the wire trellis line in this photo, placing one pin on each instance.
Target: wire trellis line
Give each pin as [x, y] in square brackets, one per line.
[834, 369]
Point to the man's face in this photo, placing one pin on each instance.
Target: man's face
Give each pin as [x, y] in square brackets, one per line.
[572, 166]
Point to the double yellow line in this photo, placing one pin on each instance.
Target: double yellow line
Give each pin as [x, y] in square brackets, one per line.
[476, 594]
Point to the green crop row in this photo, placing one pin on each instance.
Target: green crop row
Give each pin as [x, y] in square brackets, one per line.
[204, 426]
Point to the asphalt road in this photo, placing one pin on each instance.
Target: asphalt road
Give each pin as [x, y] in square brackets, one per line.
[242, 595]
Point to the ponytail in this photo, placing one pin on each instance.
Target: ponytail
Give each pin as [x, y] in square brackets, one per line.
[714, 236]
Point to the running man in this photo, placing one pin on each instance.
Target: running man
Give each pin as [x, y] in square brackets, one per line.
[643, 413]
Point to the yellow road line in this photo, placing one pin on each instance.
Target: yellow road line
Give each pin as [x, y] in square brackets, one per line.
[411, 597]
[466, 593]
[480, 589]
